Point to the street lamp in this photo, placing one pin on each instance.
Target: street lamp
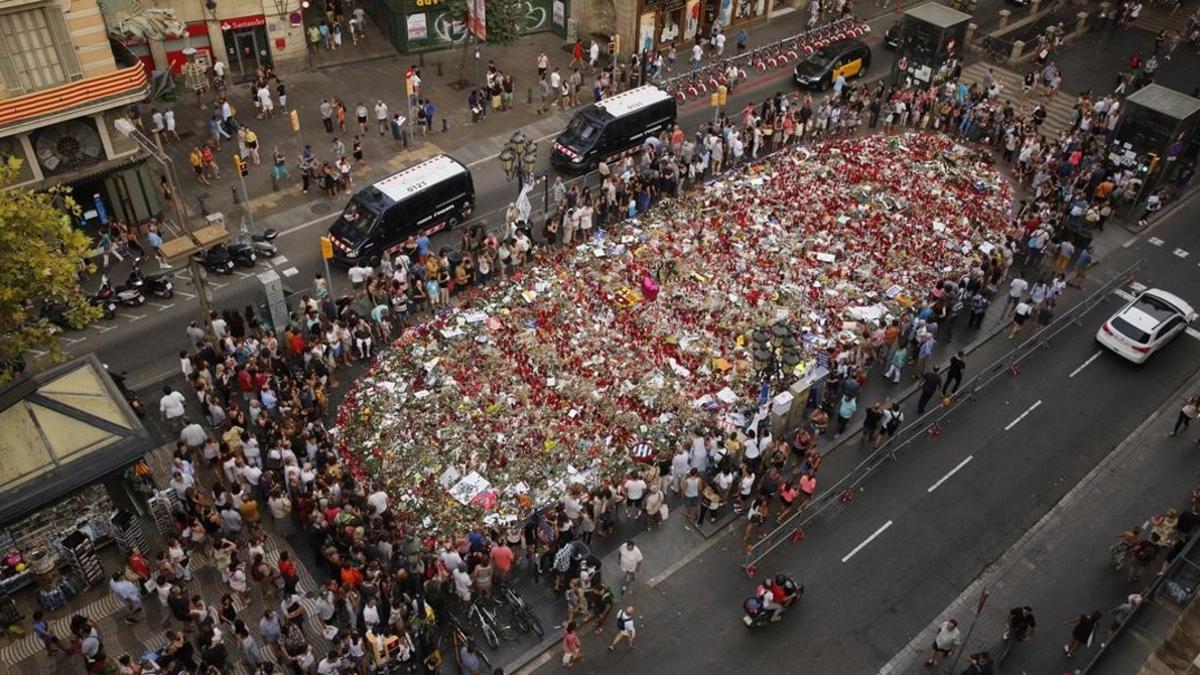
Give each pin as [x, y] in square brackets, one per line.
[530, 159]
[128, 130]
[518, 142]
[508, 160]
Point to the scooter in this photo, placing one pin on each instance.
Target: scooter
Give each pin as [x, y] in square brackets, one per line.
[157, 284]
[125, 295]
[264, 244]
[131, 396]
[216, 259]
[788, 592]
[242, 254]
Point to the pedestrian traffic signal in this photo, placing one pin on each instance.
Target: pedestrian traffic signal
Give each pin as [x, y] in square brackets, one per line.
[295, 119]
[240, 166]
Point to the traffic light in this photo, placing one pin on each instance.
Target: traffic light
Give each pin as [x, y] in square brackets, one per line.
[294, 116]
[240, 165]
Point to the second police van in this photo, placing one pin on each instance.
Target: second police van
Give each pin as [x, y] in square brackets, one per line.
[425, 198]
[610, 127]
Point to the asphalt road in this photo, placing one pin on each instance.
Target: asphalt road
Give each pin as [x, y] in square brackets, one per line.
[879, 570]
[144, 342]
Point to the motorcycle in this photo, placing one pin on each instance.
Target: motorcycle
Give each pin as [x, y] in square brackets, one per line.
[125, 295]
[216, 259]
[242, 254]
[784, 592]
[263, 244]
[131, 396]
[157, 284]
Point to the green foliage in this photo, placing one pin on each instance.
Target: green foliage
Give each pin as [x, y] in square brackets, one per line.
[505, 21]
[40, 255]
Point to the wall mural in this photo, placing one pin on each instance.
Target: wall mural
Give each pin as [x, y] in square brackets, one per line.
[128, 20]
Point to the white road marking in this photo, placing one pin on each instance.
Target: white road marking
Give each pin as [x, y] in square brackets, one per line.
[1137, 286]
[1180, 252]
[37, 353]
[243, 275]
[866, 541]
[217, 284]
[1156, 241]
[74, 341]
[160, 306]
[950, 473]
[190, 296]
[290, 272]
[102, 328]
[1085, 364]
[1022, 415]
[1129, 242]
[1124, 294]
[1192, 332]
[310, 223]
[279, 260]
[132, 317]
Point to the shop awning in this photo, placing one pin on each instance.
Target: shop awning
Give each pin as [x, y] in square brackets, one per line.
[61, 431]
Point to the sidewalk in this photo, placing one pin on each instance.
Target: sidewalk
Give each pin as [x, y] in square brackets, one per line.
[1060, 566]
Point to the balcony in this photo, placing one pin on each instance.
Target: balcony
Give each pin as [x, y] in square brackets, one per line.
[74, 99]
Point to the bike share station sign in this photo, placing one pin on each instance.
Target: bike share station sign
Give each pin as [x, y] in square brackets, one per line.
[931, 44]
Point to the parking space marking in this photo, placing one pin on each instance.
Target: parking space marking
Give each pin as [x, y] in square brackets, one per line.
[187, 295]
[1085, 364]
[291, 272]
[1023, 415]
[1180, 252]
[102, 328]
[866, 541]
[949, 473]
[132, 317]
[1124, 294]
[243, 275]
[73, 341]
[217, 284]
[1155, 241]
[161, 307]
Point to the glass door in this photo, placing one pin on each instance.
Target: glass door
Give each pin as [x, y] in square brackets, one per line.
[246, 45]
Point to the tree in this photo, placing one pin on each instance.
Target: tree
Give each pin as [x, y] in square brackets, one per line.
[505, 21]
[40, 256]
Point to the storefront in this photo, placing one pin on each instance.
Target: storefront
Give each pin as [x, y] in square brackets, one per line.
[196, 38]
[246, 45]
[661, 23]
[68, 480]
[420, 25]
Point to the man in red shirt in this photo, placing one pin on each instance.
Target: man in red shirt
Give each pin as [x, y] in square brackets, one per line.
[502, 560]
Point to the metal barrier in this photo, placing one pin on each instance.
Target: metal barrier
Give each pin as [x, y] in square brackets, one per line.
[929, 424]
[1169, 584]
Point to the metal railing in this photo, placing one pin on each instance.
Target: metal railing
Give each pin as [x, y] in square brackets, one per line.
[930, 423]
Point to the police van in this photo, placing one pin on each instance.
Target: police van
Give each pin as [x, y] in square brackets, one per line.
[612, 126]
[422, 199]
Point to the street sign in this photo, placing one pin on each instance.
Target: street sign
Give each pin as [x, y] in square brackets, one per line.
[326, 248]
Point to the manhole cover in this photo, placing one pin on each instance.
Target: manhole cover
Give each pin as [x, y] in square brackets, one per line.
[321, 208]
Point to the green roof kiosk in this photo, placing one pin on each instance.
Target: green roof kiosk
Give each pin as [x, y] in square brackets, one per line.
[931, 45]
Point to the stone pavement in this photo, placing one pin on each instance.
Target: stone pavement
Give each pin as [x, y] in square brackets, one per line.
[1060, 567]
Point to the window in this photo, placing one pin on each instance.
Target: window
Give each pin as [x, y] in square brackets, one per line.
[36, 50]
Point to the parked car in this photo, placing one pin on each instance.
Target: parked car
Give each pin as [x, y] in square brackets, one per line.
[1146, 324]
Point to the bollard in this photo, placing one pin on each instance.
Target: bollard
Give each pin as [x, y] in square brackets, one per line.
[1080, 22]
[971, 30]
[236, 197]
[1034, 7]
[1017, 47]
[1004, 14]
[444, 129]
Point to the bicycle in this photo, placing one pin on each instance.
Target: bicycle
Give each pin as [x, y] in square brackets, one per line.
[458, 638]
[482, 617]
[522, 614]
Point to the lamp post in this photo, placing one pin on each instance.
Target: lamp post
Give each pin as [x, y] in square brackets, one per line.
[128, 130]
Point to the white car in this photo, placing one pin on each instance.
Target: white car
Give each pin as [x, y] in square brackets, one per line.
[1146, 324]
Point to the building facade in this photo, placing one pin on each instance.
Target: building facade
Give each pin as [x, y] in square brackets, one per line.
[245, 34]
[62, 85]
[652, 25]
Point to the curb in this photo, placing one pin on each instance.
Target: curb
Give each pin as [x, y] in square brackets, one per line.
[1012, 556]
[1163, 213]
